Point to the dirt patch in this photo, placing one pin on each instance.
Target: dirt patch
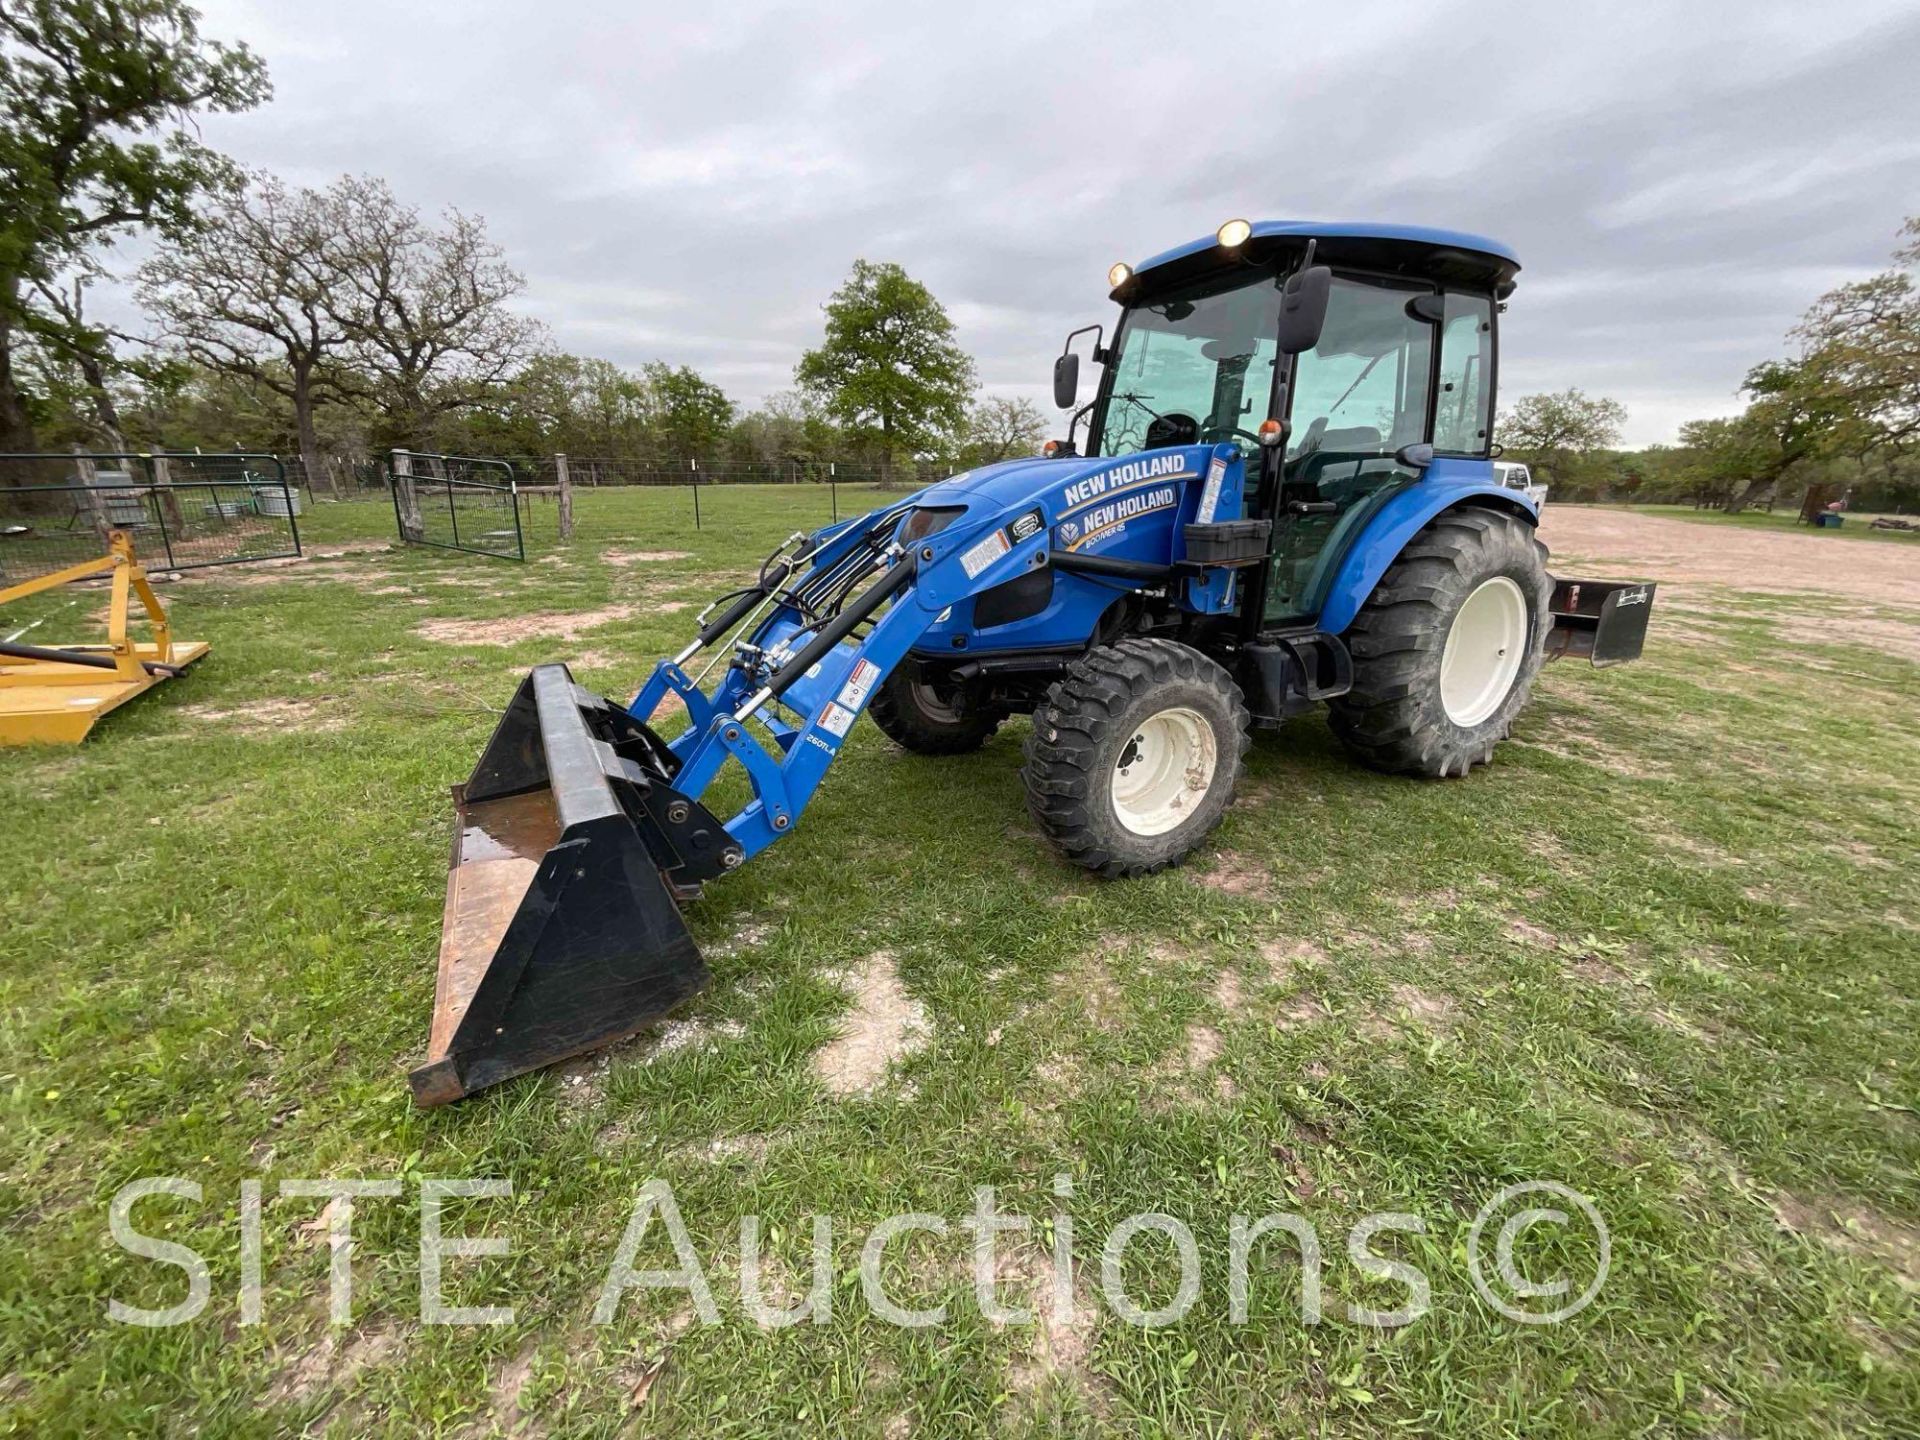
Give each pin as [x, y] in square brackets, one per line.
[744, 1149]
[749, 936]
[504, 1414]
[644, 557]
[512, 629]
[1854, 1230]
[1227, 991]
[1702, 850]
[1436, 1012]
[1285, 957]
[1235, 874]
[887, 1024]
[1861, 854]
[1203, 1047]
[1684, 1026]
[677, 1035]
[333, 1364]
[259, 716]
[1595, 971]
[1060, 1347]
[1089, 986]
[1302, 1009]
[1527, 933]
[1655, 548]
[1059, 1078]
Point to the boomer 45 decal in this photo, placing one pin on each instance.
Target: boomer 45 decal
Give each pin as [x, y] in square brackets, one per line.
[1100, 521]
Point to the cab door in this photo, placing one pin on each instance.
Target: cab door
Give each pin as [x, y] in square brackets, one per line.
[1360, 395]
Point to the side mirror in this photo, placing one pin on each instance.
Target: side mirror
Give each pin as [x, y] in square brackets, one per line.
[1303, 308]
[1415, 457]
[1066, 380]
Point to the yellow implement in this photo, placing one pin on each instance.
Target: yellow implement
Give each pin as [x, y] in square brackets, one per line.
[51, 695]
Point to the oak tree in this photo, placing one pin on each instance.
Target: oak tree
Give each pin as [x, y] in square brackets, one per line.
[95, 100]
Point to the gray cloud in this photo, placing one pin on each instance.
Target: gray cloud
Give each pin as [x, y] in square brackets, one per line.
[1680, 181]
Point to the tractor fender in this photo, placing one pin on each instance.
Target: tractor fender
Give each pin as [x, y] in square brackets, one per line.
[1397, 521]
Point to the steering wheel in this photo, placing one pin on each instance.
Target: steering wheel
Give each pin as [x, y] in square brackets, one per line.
[1216, 433]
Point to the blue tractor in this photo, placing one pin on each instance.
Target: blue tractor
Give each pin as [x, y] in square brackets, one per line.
[1283, 496]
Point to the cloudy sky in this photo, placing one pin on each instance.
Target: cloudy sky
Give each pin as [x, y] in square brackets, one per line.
[1679, 180]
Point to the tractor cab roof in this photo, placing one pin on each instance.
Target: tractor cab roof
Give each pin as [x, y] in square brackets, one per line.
[1449, 257]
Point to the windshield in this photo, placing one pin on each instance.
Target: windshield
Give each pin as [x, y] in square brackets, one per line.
[1193, 365]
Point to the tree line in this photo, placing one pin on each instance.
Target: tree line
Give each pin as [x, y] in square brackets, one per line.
[339, 321]
[1840, 411]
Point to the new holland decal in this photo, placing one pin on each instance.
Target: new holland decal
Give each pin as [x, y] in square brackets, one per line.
[1153, 467]
[1109, 519]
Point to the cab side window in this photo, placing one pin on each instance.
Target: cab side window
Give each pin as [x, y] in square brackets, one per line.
[1461, 424]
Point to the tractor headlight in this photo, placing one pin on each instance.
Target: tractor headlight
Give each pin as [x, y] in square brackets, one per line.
[928, 520]
[1233, 234]
[1119, 274]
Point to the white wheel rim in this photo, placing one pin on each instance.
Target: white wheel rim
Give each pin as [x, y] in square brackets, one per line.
[1485, 645]
[1164, 771]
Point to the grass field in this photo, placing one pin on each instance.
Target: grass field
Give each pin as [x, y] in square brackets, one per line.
[1858, 524]
[1665, 951]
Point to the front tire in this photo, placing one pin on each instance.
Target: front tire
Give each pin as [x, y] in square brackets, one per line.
[1446, 648]
[1135, 755]
[923, 716]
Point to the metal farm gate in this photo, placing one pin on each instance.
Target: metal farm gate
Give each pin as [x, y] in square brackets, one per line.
[457, 502]
[183, 511]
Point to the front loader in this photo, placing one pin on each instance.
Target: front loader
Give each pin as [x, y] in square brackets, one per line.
[1286, 498]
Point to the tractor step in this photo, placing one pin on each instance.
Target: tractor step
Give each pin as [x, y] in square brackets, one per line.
[1283, 674]
[561, 931]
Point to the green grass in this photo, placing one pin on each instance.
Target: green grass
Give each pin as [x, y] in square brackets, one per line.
[1664, 951]
[1858, 524]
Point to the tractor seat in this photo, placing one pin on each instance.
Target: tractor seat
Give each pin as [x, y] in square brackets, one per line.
[1355, 440]
[1336, 462]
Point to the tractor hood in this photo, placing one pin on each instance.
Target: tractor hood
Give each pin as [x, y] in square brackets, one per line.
[1061, 486]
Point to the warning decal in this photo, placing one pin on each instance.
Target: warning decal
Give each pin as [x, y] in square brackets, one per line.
[1210, 496]
[854, 693]
[984, 554]
[836, 720]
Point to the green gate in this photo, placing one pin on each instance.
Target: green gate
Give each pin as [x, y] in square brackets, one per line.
[457, 502]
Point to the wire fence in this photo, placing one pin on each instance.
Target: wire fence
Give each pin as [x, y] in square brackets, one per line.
[592, 471]
[715, 490]
[184, 512]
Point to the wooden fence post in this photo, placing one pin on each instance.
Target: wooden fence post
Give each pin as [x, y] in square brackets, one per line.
[91, 499]
[411, 526]
[566, 496]
[163, 495]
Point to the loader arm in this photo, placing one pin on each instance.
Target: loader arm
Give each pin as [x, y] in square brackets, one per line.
[805, 672]
[581, 828]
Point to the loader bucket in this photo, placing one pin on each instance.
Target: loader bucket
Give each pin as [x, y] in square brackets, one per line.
[560, 933]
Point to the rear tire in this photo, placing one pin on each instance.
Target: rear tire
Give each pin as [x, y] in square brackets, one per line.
[1446, 648]
[930, 719]
[1135, 755]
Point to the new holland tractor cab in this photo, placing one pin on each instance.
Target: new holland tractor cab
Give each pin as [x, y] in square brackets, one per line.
[1283, 496]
